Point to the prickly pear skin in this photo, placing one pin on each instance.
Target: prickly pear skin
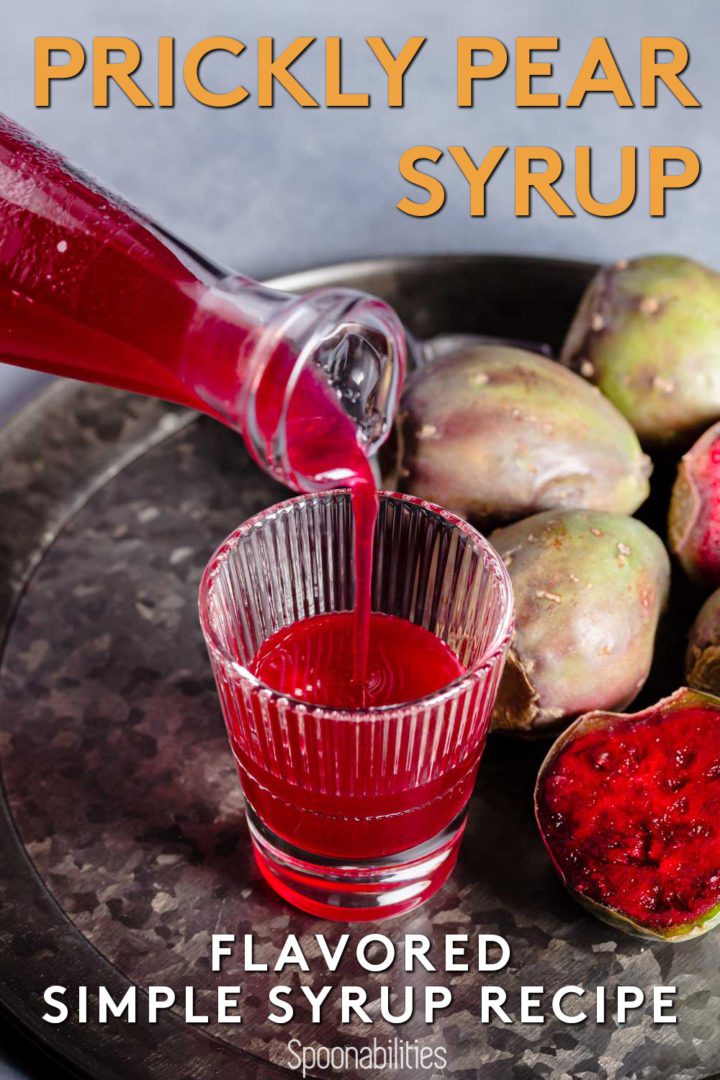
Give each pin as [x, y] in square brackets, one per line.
[694, 522]
[497, 433]
[682, 699]
[702, 662]
[647, 332]
[589, 589]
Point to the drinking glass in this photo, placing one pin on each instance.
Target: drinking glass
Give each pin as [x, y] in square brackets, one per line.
[356, 814]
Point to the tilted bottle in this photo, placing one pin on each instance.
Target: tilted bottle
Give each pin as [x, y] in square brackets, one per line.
[93, 290]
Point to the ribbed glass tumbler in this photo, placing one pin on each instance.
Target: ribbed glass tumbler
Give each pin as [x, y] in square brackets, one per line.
[356, 814]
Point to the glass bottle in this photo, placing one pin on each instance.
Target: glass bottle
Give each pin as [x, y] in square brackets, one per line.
[93, 290]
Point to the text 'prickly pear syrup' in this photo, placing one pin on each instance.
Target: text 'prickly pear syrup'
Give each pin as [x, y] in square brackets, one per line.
[92, 290]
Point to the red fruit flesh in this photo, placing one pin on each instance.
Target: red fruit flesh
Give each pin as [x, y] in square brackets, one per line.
[629, 809]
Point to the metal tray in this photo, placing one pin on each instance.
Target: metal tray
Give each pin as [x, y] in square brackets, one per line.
[122, 843]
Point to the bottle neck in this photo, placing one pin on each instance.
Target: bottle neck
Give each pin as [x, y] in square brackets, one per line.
[311, 381]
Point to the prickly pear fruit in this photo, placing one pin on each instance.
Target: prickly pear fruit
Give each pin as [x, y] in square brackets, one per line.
[647, 333]
[702, 662]
[694, 526]
[497, 433]
[627, 806]
[589, 588]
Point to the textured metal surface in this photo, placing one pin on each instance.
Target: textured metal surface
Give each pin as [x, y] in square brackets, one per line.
[122, 840]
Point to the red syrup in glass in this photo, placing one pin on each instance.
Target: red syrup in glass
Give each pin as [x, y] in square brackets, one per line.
[309, 660]
[360, 818]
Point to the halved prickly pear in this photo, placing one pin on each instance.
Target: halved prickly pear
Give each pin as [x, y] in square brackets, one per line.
[497, 433]
[694, 527]
[702, 663]
[628, 807]
[589, 589]
[647, 332]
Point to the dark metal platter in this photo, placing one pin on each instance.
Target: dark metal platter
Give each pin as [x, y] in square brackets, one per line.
[122, 842]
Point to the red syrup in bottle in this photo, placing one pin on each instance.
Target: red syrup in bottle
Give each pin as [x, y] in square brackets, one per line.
[91, 290]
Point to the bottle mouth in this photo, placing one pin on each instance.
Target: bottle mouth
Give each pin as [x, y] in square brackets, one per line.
[353, 348]
[362, 359]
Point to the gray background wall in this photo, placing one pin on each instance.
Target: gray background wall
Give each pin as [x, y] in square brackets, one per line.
[274, 190]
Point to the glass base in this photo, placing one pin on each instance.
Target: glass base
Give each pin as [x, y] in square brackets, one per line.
[359, 890]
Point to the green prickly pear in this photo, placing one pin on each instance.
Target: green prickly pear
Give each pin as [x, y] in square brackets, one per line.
[497, 433]
[647, 332]
[589, 589]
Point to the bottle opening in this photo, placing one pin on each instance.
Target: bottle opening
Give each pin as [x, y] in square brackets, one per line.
[362, 365]
[326, 389]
